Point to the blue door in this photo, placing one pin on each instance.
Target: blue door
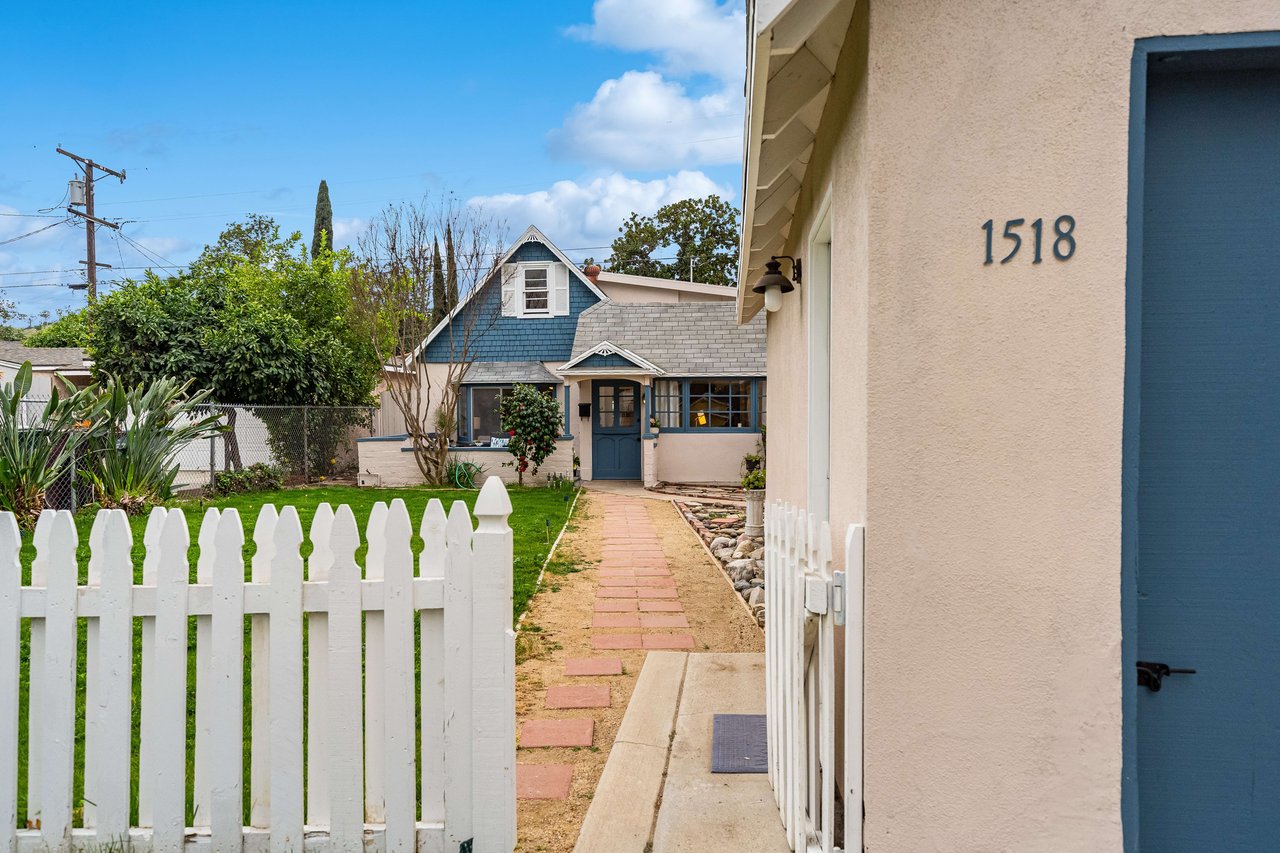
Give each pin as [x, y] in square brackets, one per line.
[1208, 489]
[615, 430]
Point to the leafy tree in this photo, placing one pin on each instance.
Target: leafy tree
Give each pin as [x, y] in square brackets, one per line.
[9, 333]
[703, 232]
[66, 331]
[533, 421]
[254, 321]
[322, 235]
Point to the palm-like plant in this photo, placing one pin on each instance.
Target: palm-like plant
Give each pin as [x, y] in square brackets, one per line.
[144, 427]
[33, 455]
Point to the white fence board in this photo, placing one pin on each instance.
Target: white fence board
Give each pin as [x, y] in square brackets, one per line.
[10, 640]
[806, 603]
[468, 683]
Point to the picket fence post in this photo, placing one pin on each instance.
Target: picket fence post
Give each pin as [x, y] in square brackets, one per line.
[345, 758]
[375, 661]
[205, 709]
[10, 637]
[260, 677]
[226, 691]
[112, 553]
[285, 630]
[168, 738]
[400, 791]
[493, 672]
[318, 730]
[35, 692]
[146, 760]
[458, 668]
[433, 563]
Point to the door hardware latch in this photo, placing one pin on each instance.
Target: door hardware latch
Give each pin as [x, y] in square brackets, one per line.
[1151, 674]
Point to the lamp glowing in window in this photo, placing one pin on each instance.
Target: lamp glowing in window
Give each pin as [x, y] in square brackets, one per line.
[700, 418]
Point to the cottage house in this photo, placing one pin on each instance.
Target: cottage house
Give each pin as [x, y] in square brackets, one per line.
[656, 379]
[1031, 346]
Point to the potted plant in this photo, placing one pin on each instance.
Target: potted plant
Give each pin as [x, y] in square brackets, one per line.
[654, 425]
[752, 462]
[753, 483]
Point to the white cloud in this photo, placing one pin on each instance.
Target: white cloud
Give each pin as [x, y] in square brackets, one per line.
[345, 231]
[580, 215]
[641, 121]
[690, 36]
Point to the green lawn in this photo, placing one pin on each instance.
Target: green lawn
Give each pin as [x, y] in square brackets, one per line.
[536, 519]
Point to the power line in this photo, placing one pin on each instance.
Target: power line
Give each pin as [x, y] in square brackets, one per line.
[32, 233]
[56, 272]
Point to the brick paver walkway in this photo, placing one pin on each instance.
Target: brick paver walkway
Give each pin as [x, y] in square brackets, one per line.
[637, 606]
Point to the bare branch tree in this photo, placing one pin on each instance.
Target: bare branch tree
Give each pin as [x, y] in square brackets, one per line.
[392, 286]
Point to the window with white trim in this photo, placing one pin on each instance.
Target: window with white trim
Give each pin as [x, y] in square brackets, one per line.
[537, 290]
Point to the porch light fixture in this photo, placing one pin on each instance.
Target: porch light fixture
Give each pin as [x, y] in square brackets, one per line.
[774, 283]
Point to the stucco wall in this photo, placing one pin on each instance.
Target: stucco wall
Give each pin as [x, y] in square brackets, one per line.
[687, 457]
[637, 293]
[977, 409]
[388, 460]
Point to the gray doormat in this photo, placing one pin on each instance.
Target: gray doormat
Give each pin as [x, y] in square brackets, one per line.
[739, 743]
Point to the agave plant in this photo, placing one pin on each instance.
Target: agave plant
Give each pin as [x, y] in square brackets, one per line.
[144, 428]
[35, 453]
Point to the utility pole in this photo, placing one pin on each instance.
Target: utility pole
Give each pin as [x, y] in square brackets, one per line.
[90, 221]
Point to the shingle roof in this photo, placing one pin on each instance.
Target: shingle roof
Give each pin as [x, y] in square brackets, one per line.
[509, 371]
[64, 357]
[682, 338]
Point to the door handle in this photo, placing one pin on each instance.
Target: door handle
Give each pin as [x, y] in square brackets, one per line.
[1151, 674]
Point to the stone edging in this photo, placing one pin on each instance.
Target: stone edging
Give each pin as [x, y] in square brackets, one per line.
[743, 568]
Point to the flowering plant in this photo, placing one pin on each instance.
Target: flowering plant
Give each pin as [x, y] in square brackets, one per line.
[532, 419]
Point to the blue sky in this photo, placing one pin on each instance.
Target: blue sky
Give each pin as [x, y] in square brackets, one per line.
[567, 115]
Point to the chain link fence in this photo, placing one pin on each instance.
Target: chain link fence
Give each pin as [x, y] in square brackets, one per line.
[308, 444]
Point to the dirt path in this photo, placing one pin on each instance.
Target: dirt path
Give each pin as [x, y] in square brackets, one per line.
[613, 542]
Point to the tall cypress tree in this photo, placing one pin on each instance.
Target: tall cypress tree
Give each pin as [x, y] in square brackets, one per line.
[322, 236]
[451, 267]
[439, 297]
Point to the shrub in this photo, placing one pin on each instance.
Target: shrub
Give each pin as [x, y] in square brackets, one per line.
[144, 428]
[66, 331]
[258, 477]
[533, 421]
[35, 453]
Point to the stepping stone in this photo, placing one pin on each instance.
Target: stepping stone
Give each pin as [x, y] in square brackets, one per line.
[623, 592]
[647, 582]
[659, 592]
[662, 620]
[621, 620]
[579, 695]
[549, 733]
[616, 641]
[659, 606]
[543, 781]
[617, 573]
[653, 572]
[668, 641]
[627, 581]
[617, 605]
[593, 666]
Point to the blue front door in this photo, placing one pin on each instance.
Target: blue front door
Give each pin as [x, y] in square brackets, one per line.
[615, 430]
[1208, 481]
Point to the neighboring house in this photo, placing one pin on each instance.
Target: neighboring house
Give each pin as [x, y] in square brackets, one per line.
[46, 362]
[1064, 442]
[617, 351]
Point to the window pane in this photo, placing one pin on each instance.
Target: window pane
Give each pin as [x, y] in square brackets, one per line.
[626, 407]
[535, 290]
[486, 415]
[667, 404]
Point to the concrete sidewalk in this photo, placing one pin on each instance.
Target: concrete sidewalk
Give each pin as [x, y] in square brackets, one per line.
[657, 785]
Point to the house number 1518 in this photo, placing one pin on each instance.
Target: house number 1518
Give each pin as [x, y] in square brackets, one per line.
[1064, 241]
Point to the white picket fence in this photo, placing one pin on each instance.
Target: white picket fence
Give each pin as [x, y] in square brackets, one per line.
[807, 601]
[354, 789]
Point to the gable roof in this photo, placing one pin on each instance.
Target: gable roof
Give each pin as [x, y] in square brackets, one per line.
[678, 338]
[531, 234]
[58, 358]
[719, 290]
[607, 348]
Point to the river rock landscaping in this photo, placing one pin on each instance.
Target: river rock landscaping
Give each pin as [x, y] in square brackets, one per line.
[741, 556]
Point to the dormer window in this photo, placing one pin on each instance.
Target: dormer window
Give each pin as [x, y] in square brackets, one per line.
[537, 291]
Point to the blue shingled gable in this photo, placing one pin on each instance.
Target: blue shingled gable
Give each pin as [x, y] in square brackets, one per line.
[516, 338]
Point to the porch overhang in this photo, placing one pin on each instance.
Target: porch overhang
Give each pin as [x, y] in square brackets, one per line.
[607, 359]
[792, 48]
